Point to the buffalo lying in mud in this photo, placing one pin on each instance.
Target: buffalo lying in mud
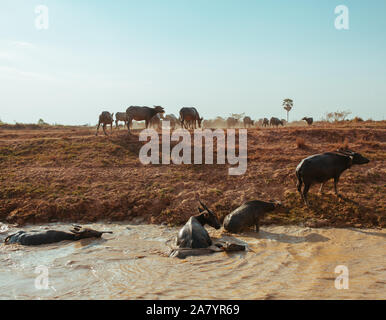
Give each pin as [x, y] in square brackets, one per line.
[193, 239]
[105, 118]
[35, 238]
[325, 166]
[248, 215]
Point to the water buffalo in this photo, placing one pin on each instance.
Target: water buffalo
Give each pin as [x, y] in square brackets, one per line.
[248, 122]
[325, 166]
[155, 122]
[173, 120]
[283, 121]
[265, 122]
[105, 118]
[194, 240]
[190, 116]
[120, 116]
[142, 113]
[308, 120]
[207, 124]
[193, 234]
[248, 214]
[232, 122]
[275, 122]
[52, 236]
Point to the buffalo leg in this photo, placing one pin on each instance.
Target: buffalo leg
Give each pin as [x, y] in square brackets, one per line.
[299, 184]
[128, 124]
[336, 180]
[305, 191]
[116, 124]
[257, 225]
[111, 127]
[97, 128]
[104, 129]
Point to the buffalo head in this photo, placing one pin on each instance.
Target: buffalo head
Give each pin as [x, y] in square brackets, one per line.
[210, 218]
[356, 158]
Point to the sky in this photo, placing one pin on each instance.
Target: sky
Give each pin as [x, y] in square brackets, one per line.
[221, 57]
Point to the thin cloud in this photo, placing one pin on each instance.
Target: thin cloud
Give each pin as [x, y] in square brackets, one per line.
[10, 72]
[6, 56]
[23, 45]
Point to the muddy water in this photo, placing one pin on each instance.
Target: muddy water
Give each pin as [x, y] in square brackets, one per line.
[281, 263]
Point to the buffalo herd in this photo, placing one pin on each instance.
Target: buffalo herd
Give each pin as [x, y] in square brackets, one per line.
[189, 118]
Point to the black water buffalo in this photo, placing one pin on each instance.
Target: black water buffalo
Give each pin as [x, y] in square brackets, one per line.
[34, 238]
[275, 122]
[308, 120]
[248, 122]
[105, 118]
[322, 167]
[190, 116]
[142, 113]
[193, 234]
[248, 215]
[194, 240]
[265, 122]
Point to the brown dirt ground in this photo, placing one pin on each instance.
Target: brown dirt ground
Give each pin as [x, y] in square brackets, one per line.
[64, 173]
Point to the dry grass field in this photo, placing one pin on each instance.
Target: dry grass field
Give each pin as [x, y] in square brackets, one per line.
[63, 173]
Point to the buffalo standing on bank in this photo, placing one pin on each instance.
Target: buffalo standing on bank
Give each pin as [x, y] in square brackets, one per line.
[105, 118]
[320, 168]
[189, 117]
[142, 113]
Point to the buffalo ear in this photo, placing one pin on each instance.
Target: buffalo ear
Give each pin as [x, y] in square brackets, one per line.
[200, 210]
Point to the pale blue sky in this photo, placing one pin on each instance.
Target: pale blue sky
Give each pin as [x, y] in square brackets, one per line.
[219, 56]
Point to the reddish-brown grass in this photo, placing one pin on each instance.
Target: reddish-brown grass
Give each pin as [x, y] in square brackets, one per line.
[300, 143]
[69, 174]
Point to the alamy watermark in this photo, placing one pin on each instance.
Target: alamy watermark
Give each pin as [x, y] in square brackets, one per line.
[42, 18]
[42, 281]
[342, 20]
[342, 281]
[182, 151]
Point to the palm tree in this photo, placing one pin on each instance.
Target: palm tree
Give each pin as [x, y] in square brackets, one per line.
[288, 104]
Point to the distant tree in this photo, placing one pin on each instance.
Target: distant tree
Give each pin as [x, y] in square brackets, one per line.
[337, 116]
[41, 122]
[288, 104]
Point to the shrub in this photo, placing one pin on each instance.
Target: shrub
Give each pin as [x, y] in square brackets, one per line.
[300, 143]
